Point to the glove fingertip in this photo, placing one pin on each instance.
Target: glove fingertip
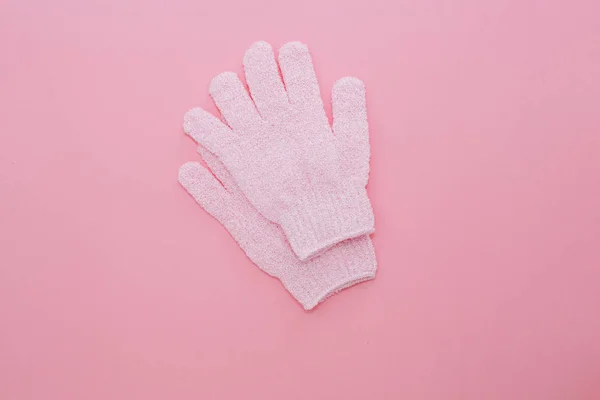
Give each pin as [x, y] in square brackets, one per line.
[257, 50]
[192, 123]
[349, 85]
[292, 48]
[221, 82]
[189, 173]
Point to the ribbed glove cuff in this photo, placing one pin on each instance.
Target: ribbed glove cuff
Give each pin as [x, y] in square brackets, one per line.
[321, 220]
[345, 265]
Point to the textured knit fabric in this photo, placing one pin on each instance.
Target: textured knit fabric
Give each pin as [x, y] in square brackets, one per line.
[282, 152]
[310, 282]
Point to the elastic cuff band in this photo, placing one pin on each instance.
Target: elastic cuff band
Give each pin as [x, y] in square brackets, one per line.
[344, 265]
[321, 220]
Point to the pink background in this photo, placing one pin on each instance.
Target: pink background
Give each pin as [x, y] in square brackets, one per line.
[485, 181]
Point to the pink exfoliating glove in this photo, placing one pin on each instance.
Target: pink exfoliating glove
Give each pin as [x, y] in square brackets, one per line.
[282, 153]
[310, 282]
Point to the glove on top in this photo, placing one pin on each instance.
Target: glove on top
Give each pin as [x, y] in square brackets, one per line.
[282, 153]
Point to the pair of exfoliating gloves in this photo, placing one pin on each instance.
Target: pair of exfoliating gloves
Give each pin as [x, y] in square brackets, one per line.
[288, 187]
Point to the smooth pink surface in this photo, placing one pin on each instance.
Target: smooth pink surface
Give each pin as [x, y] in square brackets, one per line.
[485, 180]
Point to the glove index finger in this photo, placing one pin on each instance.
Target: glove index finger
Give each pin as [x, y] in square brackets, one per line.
[299, 76]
